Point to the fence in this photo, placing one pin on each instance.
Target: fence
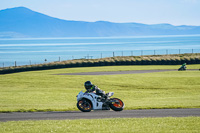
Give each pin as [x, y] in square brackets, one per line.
[139, 53]
[96, 55]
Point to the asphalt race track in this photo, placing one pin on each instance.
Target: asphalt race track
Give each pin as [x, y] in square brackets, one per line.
[17, 116]
[116, 72]
[122, 72]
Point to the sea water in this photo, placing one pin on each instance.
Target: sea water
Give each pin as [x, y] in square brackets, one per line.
[40, 50]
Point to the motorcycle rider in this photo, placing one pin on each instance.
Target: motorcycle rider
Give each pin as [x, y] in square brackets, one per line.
[92, 88]
[184, 66]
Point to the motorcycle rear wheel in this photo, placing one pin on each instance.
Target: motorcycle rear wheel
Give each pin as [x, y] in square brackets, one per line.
[118, 105]
[84, 105]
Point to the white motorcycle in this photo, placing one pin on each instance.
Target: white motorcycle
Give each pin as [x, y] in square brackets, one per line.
[90, 101]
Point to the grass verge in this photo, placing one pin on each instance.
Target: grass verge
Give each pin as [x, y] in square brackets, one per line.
[147, 125]
[43, 91]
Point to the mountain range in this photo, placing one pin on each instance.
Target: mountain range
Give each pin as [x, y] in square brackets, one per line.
[21, 22]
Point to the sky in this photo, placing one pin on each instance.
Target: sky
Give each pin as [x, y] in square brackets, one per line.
[175, 12]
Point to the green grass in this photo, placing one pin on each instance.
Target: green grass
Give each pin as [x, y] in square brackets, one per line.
[43, 91]
[117, 125]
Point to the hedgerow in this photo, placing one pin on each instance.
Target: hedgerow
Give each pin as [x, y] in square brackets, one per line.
[175, 59]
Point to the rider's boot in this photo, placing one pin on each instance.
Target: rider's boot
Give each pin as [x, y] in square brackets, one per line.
[105, 107]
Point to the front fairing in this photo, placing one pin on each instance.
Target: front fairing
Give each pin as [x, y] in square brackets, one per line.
[89, 96]
[92, 97]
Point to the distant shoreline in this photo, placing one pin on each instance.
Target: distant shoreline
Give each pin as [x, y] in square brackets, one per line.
[53, 38]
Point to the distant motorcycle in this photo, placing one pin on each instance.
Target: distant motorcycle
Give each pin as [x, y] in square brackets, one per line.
[90, 101]
[182, 68]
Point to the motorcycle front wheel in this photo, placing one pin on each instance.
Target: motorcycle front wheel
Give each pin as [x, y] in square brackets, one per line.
[84, 105]
[116, 104]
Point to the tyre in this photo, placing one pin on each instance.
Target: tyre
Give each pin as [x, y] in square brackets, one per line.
[116, 104]
[84, 105]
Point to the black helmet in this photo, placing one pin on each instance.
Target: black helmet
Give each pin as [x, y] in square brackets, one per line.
[88, 85]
